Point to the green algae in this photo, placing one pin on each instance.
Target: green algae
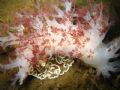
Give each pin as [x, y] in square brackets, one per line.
[7, 7]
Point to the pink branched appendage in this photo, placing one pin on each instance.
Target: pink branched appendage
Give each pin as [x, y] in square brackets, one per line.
[72, 32]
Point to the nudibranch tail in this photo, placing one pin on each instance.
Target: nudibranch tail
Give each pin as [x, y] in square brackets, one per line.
[102, 56]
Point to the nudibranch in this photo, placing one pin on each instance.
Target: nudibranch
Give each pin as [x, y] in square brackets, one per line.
[70, 31]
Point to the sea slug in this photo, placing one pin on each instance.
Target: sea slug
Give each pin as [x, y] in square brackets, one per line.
[68, 31]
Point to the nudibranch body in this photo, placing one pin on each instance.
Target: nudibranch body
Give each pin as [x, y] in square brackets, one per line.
[72, 32]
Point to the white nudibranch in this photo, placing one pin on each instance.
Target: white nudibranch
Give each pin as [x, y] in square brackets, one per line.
[72, 33]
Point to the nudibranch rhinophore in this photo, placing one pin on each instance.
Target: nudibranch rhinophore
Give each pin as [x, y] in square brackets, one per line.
[70, 31]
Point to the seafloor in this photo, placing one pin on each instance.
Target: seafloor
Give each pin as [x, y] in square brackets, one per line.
[79, 77]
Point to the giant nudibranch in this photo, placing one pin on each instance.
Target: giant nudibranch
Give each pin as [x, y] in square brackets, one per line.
[67, 32]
